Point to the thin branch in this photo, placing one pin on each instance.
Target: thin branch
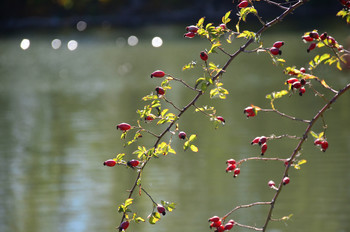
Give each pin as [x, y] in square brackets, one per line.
[148, 195]
[260, 158]
[171, 103]
[248, 227]
[184, 83]
[284, 136]
[245, 206]
[276, 4]
[296, 150]
[285, 115]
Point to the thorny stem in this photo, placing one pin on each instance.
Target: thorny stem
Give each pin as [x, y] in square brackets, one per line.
[295, 152]
[260, 158]
[171, 103]
[148, 195]
[200, 93]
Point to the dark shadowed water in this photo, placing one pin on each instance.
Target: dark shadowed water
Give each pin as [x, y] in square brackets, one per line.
[58, 114]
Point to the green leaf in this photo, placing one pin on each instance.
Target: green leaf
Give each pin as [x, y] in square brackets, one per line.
[200, 22]
[314, 134]
[128, 202]
[192, 138]
[149, 97]
[213, 46]
[168, 206]
[139, 219]
[225, 18]
[154, 217]
[244, 12]
[119, 157]
[190, 65]
[246, 34]
[194, 148]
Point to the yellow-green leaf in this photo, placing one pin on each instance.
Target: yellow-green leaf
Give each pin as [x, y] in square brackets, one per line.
[194, 148]
[200, 22]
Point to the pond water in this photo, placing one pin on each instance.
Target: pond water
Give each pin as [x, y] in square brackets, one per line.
[59, 108]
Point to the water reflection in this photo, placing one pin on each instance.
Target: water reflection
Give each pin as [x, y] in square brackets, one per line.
[25, 43]
[58, 114]
[56, 43]
[133, 40]
[72, 45]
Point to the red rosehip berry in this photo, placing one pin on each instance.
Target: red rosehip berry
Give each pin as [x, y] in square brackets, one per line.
[314, 35]
[124, 126]
[150, 117]
[324, 145]
[286, 180]
[275, 51]
[223, 26]
[161, 209]
[302, 91]
[307, 38]
[292, 80]
[243, 4]
[221, 228]
[220, 118]
[262, 140]
[302, 81]
[278, 44]
[296, 85]
[214, 219]
[189, 35]
[302, 70]
[236, 172]
[263, 148]
[204, 56]
[215, 224]
[287, 162]
[160, 91]
[271, 183]
[124, 225]
[158, 73]
[311, 47]
[324, 36]
[192, 29]
[231, 161]
[318, 142]
[228, 226]
[133, 163]
[331, 40]
[109, 163]
[182, 135]
[230, 167]
[255, 141]
[249, 111]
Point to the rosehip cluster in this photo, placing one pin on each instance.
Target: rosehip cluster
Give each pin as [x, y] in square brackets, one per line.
[262, 143]
[314, 36]
[231, 166]
[250, 111]
[345, 3]
[297, 84]
[191, 31]
[217, 223]
[275, 49]
[322, 143]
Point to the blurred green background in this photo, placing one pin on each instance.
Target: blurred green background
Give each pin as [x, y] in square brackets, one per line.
[62, 94]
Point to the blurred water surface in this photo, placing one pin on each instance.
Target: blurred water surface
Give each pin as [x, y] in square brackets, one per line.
[60, 104]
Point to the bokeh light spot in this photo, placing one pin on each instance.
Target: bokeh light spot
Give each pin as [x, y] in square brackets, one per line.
[25, 44]
[157, 42]
[81, 25]
[56, 43]
[133, 40]
[72, 45]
